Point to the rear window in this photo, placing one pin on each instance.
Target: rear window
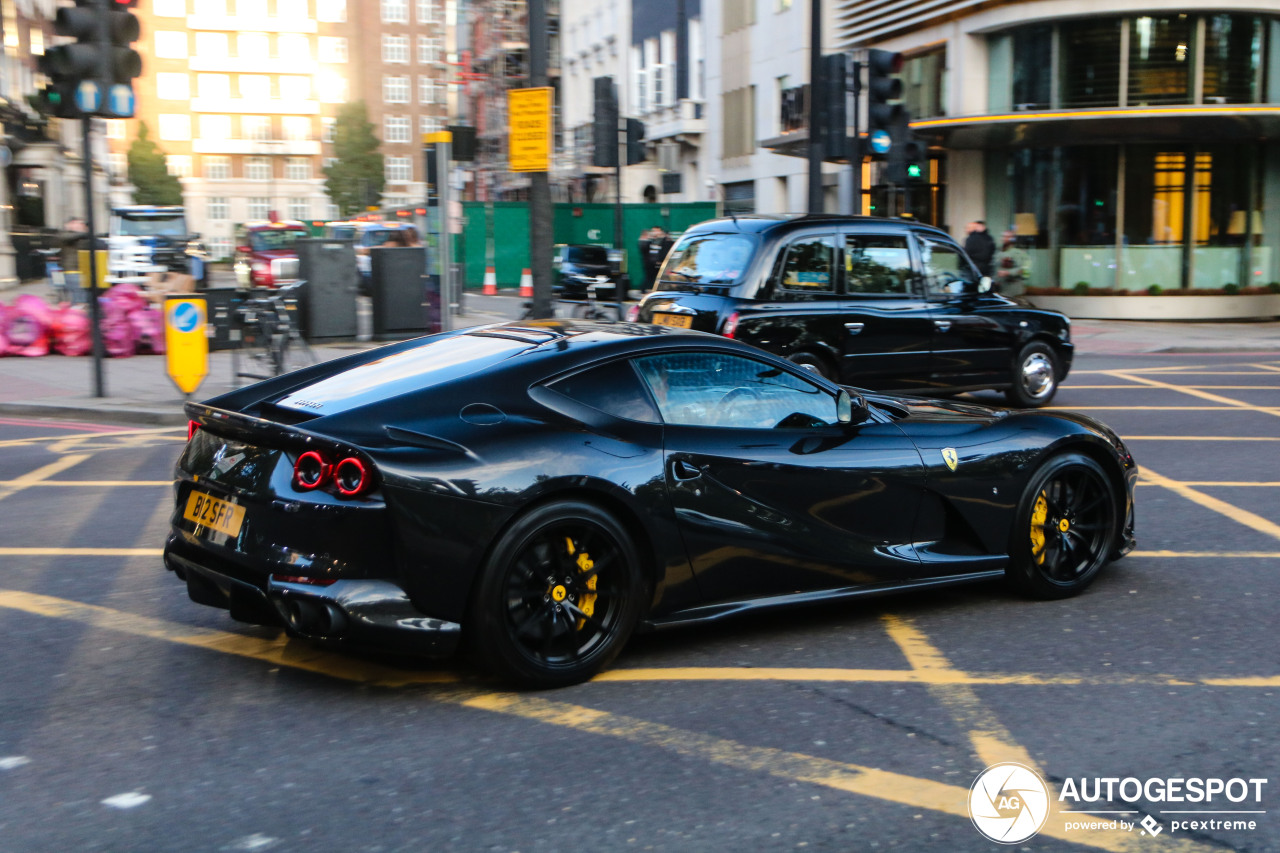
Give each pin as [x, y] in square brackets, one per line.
[440, 360]
[276, 238]
[586, 255]
[152, 225]
[708, 259]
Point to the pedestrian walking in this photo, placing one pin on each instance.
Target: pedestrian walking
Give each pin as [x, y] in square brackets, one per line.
[1012, 265]
[979, 246]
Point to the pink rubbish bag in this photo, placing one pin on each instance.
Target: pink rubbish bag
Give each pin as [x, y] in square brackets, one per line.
[28, 332]
[148, 325]
[119, 338]
[70, 330]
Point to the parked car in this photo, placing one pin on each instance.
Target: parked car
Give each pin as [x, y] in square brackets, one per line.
[265, 253]
[883, 304]
[578, 266]
[546, 487]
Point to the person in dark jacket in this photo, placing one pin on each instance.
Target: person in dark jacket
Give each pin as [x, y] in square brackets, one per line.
[980, 246]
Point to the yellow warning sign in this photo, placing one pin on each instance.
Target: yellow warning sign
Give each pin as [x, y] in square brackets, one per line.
[529, 134]
[186, 341]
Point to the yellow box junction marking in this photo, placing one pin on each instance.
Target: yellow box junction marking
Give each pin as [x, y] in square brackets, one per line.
[26, 481]
[1235, 513]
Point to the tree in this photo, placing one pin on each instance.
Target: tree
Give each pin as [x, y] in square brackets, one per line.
[355, 180]
[149, 173]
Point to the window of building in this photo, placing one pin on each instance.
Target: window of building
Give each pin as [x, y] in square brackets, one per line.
[215, 127]
[396, 129]
[253, 46]
[738, 15]
[211, 8]
[395, 11]
[217, 167]
[171, 45]
[294, 48]
[248, 8]
[331, 11]
[328, 129]
[739, 122]
[395, 90]
[332, 49]
[333, 87]
[428, 12]
[924, 83]
[1160, 60]
[297, 169]
[169, 8]
[428, 49]
[395, 48]
[428, 90]
[299, 208]
[1233, 60]
[118, 165]
[255, 87]
[178, 165]
[211, 46]
[259, 208]
[332, 212]
[173, 86]
[257, 169]
[1032, 72]
[255, 128]
[217, 86]
[430, 124]
[217, 209]
[399, 169]
[175, 127]
[297, 128]
[295, 87]
[114, 128]
[220, 247]
[1090, 62]
[330, 161]
[292, 10]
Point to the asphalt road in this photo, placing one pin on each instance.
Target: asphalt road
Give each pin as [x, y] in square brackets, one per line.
[132, 719]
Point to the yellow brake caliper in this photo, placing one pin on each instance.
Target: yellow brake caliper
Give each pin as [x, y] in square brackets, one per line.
[585, 564]
[1039, 515]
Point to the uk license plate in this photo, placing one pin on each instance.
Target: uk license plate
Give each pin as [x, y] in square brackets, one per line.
[214, 513]
[679, 321]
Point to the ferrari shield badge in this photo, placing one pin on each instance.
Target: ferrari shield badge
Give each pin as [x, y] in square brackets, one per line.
[949, 457]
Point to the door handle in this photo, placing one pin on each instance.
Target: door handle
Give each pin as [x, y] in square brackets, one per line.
[854, 328]
[684, 471]
[942, 325]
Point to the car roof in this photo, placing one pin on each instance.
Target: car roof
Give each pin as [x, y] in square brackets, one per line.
[768, 223]
[262, 225]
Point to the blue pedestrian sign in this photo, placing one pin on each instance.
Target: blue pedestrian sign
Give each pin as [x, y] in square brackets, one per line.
[89, 96]
[186, 316]
[120, 101]
[880, 141]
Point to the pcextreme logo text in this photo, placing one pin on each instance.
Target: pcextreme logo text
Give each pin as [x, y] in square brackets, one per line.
[1009, 803]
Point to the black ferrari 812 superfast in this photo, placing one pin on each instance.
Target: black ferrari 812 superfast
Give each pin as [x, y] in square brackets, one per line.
[542, 490]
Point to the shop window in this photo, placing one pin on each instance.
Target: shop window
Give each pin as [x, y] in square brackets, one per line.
[1090, 64]
[1161, 56]
[1233, 60]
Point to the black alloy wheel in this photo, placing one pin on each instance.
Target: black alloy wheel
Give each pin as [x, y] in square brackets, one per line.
[1065, 529]
[559, 596]
[1035, 377]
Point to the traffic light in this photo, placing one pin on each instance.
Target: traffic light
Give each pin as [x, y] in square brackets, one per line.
[915, 158]
[884, 91]
[122, 30]
[92, 76]
[832, 113]
[604, 124]
[69, 65]
[635, 141]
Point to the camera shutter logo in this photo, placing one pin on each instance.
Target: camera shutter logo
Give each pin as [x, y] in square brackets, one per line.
[1008, 803]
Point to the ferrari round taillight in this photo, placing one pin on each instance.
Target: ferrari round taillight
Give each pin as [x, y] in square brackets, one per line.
[351, 477]
[311, 471]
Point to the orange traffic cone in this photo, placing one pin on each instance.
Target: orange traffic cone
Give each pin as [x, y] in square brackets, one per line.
[526, 282]
[490, 282]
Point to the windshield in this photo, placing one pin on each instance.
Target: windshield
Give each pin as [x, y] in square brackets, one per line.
[708, 259]
[280, 238]
[341, 232]
[586, 255]
[153, 225]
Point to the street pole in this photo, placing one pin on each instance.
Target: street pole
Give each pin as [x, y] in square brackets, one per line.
[816, 93]
[855, 145]
[95, 310]
[539, 182]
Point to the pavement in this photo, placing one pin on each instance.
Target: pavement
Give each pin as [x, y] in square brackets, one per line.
[138, 390]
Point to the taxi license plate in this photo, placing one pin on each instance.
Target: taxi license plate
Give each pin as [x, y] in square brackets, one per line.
[680, 321]
[214, 513]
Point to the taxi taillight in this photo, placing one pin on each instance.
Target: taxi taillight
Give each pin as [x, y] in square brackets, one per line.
[730, 325]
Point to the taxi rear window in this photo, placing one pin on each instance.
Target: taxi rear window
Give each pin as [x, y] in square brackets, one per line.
[708, 259]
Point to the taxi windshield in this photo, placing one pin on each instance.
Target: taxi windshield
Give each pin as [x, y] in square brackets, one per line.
[708, 259]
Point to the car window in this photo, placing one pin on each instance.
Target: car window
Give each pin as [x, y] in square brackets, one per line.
[276, 238]
[946, 268]
[718, 390]
[808, 266]
[586, 255]
[614, 389]
[876, 264]
[708, 259]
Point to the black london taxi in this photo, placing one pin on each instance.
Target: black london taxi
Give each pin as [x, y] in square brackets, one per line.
[881, 304]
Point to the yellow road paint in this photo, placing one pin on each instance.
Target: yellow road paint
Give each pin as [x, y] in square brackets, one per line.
[1270, 410]
[37, 439]
[81, 552]
[1235, 513]
[1264, 555]
[1200, 438]
[1270, 367]
[1155, 388]
[1195, 392]
[83, 484]
[54, 468]
[1225, 484]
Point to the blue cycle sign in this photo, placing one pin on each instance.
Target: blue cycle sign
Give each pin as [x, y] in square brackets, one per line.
[186, 316]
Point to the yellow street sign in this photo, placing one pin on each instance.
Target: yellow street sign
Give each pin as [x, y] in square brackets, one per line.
[186, 341]
[83, 257]
[529, 136]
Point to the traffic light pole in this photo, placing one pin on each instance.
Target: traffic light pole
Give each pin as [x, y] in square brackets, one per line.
[816, 92]
[95, 310]
[855, 146]
[540, 213]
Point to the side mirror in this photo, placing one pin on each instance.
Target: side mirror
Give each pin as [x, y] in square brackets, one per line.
[850, 409]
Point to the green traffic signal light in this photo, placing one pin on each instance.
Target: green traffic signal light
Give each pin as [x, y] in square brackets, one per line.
[914, 170]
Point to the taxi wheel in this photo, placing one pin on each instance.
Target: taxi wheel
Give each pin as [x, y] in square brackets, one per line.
[814, 362]
[558, 597]
[1065, 528]
[1035, 376]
